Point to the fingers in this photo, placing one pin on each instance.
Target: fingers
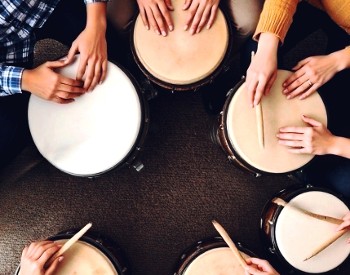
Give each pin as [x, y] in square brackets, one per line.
[191, 15]
[36, 249]
[311, 121]
[94, 69]
[54, 265]
[156, 15]
[212, 16]
[186, 4]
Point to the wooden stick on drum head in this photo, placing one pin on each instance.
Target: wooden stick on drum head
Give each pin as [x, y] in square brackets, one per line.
[230, 243]
[329, 219]
[69, 243]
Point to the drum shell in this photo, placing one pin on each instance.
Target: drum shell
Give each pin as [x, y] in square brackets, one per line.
[104, 244]
[200, 247]
[269, 217]
[224, 66]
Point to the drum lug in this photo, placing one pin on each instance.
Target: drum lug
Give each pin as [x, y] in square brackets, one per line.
[272, 250]
[225, 68]
[138, 166]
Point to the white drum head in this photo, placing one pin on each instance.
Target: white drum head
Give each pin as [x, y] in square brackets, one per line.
[94, 133]
[297, 235]
[181, 58]
[84, 259]
[216, 261]
[277, 112]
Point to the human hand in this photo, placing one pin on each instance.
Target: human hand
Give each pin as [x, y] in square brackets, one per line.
[262, 71]
[92, 46]
[44, 82]
[345, 224]
[314, 139]
[262, 267]
[310, 74]
[201, 12]
[35, 256]
[155, 14]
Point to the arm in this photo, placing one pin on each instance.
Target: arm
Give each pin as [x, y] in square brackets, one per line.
[312, 72]
[92, 46]
[345, 224]
[10, 80]
[275, 20]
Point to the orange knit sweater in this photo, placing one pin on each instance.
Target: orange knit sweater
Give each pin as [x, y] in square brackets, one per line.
[277, 15]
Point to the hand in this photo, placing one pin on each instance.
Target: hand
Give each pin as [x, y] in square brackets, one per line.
[345, 224]
[44, 82]
[36, 255]
[315, 139]
[155, 14]
[262, 267]
[201, 12]
[92, 46]
[262, 71]
[310, 74]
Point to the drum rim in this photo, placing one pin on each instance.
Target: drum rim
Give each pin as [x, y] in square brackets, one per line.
[288, 193]
[223, 123]
[113, 251]
[197, 84]
[193, 251]
[141, 136]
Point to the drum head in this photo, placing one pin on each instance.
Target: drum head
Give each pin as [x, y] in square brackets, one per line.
[277, 112]
[219, 260]
[93, 134]
[297, 235]
[181, 58]
[84, 258]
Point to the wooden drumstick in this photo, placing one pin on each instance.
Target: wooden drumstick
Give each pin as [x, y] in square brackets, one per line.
[327, 243]
[230, 243]
[329, 219]
[68, 244]
[259, 119]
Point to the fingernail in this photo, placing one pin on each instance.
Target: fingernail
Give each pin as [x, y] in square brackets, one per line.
[147, 27]
[186, 27]
[284, 91]
[208, 26]
[171, 27]
[157, 32]
[163, 33]
[60, 258]
[198, 30]
[289, 97]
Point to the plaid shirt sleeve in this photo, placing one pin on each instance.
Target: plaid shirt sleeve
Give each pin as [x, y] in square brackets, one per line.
[95, 1]
[10, 80]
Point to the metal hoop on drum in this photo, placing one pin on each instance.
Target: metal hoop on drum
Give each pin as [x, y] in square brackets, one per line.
[209, 255]
[100, 131]
[236, 129]
[290, 236]
[185, 71]
[91, 253]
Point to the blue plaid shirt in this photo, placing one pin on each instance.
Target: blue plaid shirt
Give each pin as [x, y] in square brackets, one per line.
[18, 18]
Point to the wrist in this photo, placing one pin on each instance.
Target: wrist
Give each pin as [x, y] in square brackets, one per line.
[268, 43]
[96, 16]
[335, 146]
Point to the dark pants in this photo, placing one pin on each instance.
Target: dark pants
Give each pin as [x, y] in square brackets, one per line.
[329, 171]
[64, 25]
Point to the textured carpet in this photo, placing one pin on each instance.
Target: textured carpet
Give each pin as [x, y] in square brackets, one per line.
[152, 215]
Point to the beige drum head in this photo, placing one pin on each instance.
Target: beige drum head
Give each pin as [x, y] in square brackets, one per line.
[181, 58]
[92, 134]
[84, 259]
[297, 235]
[277, 112]
[216, 261]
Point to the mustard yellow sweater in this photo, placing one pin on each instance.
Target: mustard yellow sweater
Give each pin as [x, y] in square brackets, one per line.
[277, 15]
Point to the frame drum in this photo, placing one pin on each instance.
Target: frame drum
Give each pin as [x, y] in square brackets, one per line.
[98, 132]
[211, 256]
[292, 236]
[237, 132]
[91, 254]
[181, 61]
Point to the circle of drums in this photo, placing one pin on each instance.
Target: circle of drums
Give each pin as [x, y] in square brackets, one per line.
[89, 149]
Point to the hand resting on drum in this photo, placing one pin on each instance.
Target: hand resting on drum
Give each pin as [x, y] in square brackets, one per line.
[312, 72]
[44, 82]
[259, 267]
[313, 139]
[35, 255]
[155, 14]
[201, 13]
[345, 224]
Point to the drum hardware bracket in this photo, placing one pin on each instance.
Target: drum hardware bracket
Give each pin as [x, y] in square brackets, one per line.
[148, 89]
[138, 166]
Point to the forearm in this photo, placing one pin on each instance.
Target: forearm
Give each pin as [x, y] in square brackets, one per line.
[340, 146]
[96, 15]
